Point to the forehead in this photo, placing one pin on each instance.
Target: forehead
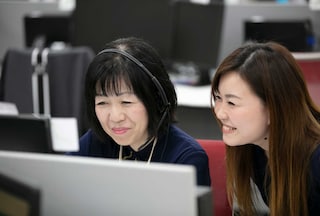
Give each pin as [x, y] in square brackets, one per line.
[114, 87]
[232, 85]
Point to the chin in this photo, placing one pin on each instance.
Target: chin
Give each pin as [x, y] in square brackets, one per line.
[231, 141]
[121, 142]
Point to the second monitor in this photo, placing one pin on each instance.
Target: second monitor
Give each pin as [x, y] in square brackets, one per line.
[296, 35]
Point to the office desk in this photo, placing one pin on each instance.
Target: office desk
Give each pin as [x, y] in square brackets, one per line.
[194, 113]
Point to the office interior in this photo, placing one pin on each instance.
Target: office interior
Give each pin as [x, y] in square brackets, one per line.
[190, 67]
[184, 44]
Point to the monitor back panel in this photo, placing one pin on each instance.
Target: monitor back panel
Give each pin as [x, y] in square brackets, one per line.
[72, 185]
[47, 27]
[98, 22]
[25, 133]
[296, 35]
[197, 31]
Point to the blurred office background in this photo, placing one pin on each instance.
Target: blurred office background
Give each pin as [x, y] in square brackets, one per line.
[191, 36]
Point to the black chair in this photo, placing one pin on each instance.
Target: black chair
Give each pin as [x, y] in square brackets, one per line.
[66, 70]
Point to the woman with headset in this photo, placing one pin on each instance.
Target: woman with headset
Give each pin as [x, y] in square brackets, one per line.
[131, 105]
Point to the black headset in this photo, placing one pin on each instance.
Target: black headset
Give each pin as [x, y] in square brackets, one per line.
[153, 78]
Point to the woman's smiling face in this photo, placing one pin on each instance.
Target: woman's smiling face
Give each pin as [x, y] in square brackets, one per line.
[123, 117]
[244, 117]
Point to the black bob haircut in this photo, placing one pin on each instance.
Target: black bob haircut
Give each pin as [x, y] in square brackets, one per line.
[108, 69]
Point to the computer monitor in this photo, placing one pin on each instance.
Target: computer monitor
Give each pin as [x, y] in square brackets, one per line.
[25, 133]
[74, 185]
[46, 30]
[17, 198]
[296, 35]
[97, 22]
[197, 31]
[38, 133]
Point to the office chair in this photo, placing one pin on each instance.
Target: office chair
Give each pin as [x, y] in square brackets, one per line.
[66, 71]
[215, 150]
[310, 65]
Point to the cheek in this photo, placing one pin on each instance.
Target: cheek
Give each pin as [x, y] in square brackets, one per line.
[257, 122]
[248, 119]
[140, 114]
[215, 108]
[264, 123]
[100, 114]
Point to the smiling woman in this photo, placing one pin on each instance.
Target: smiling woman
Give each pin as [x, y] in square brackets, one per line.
[271, 128]
[131, 104]
[235, 103]
[115, 108]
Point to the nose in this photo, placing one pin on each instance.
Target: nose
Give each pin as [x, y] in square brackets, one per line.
[116, 114]
[220, 111]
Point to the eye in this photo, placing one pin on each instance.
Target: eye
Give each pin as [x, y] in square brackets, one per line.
[100, 103]
[126, 102]
[231, 103]
[217, 97]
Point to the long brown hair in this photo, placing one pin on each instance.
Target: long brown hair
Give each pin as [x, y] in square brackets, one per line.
[294, 132]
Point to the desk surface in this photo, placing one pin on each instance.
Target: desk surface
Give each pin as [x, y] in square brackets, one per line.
[194, 112]
[193, 96]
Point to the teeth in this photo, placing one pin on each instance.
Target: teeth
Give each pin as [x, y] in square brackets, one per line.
[226, 128]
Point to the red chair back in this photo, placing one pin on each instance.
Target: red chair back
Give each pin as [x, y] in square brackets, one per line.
[215, 150]
[310, 65]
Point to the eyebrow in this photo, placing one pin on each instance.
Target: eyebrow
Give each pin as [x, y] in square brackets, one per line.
[118, 94]
[232, 96]
[228, 95]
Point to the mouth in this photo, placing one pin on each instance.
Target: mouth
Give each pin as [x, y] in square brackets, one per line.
[228, 129]
[119, 130]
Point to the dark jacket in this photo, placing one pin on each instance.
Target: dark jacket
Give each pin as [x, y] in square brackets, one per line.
[175, 147]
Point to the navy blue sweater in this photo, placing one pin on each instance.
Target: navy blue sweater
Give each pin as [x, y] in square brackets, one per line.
[174, 147]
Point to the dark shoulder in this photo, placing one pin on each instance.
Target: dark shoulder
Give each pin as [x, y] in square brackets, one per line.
[89, 138]
[177, 135]
[315, 163]
[314, 196]
[91, 145]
